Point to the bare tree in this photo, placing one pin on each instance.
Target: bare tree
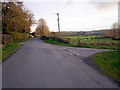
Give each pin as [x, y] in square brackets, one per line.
[116, 29]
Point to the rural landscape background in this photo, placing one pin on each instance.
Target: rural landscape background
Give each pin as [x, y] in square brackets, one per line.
[64, 44]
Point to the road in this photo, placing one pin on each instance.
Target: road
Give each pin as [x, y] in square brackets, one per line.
[40, 65]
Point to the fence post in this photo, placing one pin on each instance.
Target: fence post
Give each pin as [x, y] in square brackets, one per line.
[79, 42]
[68, 40]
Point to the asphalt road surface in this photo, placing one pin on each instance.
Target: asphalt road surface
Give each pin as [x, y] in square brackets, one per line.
[40, 65]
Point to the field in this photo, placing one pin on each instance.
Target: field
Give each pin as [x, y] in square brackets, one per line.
[90, 36]
[91, 39]
[74, 43]
[74, 39]
[109, 63]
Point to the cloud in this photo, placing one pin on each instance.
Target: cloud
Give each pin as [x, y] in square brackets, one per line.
[104, 1]
[104, 6]
[74, 15]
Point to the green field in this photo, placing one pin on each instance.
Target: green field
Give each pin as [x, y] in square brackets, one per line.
[74, 41]
[92, 36]
[101, 40]
[109, 63]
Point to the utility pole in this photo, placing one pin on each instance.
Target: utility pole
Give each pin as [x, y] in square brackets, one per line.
[58, 23]
[42, 29]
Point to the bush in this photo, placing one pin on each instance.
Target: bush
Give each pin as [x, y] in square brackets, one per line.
[104, 47]
[19, 36]
[37, 35]
[7, 39]
[57, 38]
[16, 36]
[30, 36]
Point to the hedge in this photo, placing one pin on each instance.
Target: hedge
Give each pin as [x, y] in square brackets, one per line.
[60, 39]
[19, 36]
[7, 39]
[14, 37]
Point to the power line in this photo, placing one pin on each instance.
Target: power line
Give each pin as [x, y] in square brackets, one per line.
[68, 2]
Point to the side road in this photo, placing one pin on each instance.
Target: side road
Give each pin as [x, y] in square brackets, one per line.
[40, 65]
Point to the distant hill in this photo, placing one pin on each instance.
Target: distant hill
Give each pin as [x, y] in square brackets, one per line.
[77, 33]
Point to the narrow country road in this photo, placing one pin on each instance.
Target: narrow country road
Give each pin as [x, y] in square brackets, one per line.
[40, 65]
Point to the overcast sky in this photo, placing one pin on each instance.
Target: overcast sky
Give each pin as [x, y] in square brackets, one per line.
[75, 15]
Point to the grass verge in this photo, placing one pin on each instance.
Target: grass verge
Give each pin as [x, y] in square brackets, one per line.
[8, 50]
[109, 63]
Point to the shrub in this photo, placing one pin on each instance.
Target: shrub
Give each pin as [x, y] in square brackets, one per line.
[37, 35]
[19, 36]
[104, 47]
[16, 36]
[30, 36]
[57, 38]
[25, 36]
[7, 39]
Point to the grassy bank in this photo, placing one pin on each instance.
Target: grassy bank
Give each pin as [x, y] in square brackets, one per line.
[9, 49]
[109, 63]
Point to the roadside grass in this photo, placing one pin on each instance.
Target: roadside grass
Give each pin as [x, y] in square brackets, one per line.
[109, 63]
[8, 50]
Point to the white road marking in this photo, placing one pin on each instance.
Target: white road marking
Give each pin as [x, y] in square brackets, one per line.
[71, 52]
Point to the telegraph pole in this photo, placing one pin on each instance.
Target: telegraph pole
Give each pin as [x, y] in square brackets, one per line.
[58, 23]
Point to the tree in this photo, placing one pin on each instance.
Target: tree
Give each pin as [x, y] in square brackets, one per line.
[42, 28]
[116, 30]
[16, 18]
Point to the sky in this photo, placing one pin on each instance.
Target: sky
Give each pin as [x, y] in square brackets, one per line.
[75, 15]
